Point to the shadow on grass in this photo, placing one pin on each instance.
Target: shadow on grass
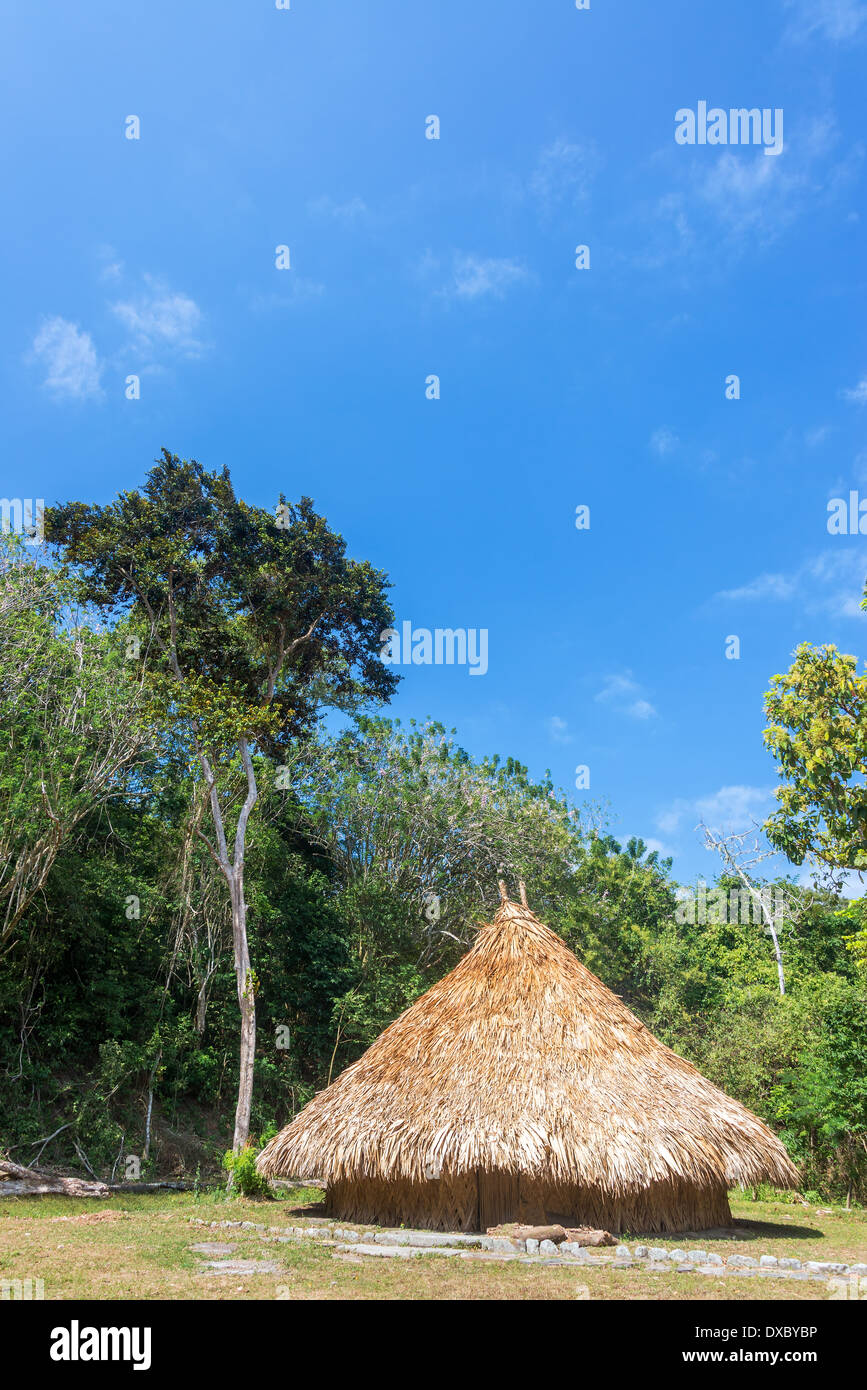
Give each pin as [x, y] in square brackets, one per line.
[761, 1230]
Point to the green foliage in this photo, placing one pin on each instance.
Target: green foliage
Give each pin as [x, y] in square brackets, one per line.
[818, 735]
[244, 1176]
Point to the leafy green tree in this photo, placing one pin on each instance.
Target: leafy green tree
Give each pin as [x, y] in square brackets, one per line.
[70, 740]
[408, 814]
[818, 735]
[248, 625]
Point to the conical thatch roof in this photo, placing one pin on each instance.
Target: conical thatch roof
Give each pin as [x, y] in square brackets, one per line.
[521, 1061]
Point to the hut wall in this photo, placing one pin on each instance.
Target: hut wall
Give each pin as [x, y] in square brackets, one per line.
[662, 1206]
[450, 1204]
[473, 1202]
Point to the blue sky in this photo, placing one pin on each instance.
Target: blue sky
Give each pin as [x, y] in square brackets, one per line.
[409, 257]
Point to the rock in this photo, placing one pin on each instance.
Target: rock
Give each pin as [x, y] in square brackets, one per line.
[547, 1247]
[641, 1252]
[741, 1261]
[555, 1232]
[714, 1260]
[768, 1261]
[825, 1267]
[858, 1269]
[400, 1252]
[677, 1256]
[571, 1247]
[533, 1246]
[698, 1257]
[500, 1245]
[624, 1252]
[657, 1253]
[432, 1238]
[212, 1247]
[787, 1263]
[236, 1267]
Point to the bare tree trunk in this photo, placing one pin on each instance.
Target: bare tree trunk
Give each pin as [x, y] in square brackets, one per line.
[247, 1005]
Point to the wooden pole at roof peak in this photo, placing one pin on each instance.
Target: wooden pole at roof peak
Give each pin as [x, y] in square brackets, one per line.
[523, 892]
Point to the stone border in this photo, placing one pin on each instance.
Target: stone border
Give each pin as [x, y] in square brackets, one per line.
[404, 1244]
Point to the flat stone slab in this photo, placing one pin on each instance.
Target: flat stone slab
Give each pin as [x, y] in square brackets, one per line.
[429, 1239]
[399, 1252]
[236, 1267]
[213, 1247]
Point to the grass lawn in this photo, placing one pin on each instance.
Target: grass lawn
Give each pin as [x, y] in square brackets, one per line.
[137, 1247]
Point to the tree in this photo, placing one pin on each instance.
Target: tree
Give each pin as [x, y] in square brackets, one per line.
[248, 625]
[818, 735]
[741, 853]
[69, 739]
[410, 813]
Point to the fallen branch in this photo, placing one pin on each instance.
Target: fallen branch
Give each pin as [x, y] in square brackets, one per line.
[16, 1181]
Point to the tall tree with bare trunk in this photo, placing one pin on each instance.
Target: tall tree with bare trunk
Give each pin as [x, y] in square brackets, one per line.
[249, 624]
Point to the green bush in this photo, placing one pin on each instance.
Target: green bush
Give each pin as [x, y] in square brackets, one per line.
[244, 1177]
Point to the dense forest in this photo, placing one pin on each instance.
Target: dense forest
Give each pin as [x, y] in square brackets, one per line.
[218, 854]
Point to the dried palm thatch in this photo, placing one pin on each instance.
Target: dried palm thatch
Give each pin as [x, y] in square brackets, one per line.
[520, 1088]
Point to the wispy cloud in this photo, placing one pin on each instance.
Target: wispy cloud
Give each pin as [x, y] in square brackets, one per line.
[663, 442]
[736, 199]
[857, 394]
[293, 291]
[623, 693]
[72, 365]
[837, 20]
[466, 276]
[162, 318]
[831, 582]
[727, 811]
[558, 729]
[327, 207]
[563, 175]
[475, 276]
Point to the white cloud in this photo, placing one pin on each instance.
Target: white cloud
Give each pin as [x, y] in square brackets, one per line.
[663, 442]
[295, 290]
[162, 318]
[813, 438]
[777, 586]
[858, 394]
[831, 582]
[616, 687]
[727, 811]
[563, 174]
[475, 276]
[657, 845]
[558, 729]
[641, 709]
[838, 20]
[740, 199]
[624, 693]
[339, 212]
[72, 365]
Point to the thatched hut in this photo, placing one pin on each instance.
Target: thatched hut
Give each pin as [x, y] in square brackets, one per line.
[519, 1088]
